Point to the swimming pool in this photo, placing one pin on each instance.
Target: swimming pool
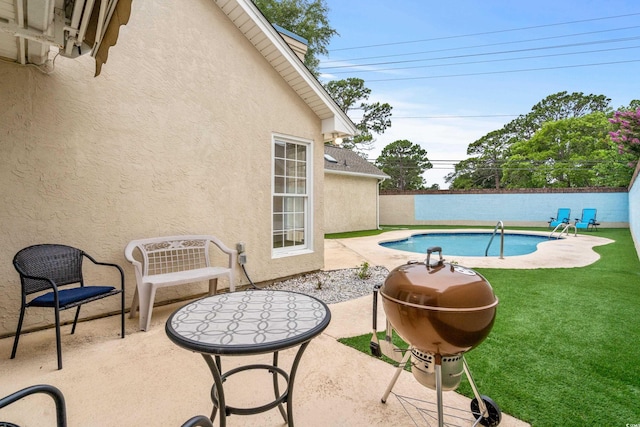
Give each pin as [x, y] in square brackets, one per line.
[469, 244]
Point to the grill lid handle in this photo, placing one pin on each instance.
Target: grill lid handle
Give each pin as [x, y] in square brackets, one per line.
[429, 252]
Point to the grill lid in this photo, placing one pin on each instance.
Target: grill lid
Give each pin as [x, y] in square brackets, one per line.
[441, 287]
[439, 307]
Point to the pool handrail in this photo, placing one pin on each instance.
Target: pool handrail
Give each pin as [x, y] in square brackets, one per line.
[495, 230]
[564, 230]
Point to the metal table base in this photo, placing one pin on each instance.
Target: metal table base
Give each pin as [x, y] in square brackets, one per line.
[217, 390]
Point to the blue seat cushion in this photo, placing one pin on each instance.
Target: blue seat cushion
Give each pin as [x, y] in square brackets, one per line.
[68, 296]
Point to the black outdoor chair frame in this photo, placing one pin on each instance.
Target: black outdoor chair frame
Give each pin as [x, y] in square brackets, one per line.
[59, 265]
[198, 421]
[56, 395]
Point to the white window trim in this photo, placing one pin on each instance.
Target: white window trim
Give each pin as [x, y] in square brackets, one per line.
[309, 217]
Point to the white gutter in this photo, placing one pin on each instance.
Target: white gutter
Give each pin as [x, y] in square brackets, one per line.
[378, 204]
[365, 175]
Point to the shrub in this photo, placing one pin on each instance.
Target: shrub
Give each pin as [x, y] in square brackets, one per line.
[627, 135]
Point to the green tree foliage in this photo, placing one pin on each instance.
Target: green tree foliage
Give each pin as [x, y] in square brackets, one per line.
[490, 152]
[519, 156]
[569, 152]
[351, 94]
[306, 18]
[562, 105]
[405, 163]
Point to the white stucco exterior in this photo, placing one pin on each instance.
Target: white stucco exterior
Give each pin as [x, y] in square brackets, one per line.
[174, 137]
[350, 203]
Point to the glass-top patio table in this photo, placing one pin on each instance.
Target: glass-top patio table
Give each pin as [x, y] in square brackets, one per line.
[248, 323]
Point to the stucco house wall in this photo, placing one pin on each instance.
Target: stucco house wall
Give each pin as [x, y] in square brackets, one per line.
[174, 137]
[350, 191]
[350, 203]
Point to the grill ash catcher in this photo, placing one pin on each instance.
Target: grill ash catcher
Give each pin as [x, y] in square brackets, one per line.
[442, 311]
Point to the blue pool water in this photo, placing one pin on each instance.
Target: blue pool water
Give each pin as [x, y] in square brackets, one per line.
[468, 244]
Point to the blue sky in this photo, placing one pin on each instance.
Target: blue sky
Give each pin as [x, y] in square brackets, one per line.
[493, 59]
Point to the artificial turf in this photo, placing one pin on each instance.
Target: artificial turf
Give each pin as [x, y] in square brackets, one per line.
[565, 346]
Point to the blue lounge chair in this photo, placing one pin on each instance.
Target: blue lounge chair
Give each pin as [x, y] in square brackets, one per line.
[588, 220]
[563, 217]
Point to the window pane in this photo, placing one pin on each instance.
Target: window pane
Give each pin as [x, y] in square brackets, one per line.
[279, 149]
[278, 203]
[279, 167]
[278, 240]
[291, 151]
[301, 187]
[298, 236]
[278, 186]
[291, 185]
[288, 221]
[302, 152]
[278, 224]
[291, 168]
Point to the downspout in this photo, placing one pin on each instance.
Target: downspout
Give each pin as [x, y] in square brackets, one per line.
[378, 204]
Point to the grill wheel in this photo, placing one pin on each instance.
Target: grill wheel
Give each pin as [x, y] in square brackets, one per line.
[494, 416]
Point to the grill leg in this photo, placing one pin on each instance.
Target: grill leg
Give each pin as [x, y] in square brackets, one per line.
[481, 406]
[438, 367]
[399, 369]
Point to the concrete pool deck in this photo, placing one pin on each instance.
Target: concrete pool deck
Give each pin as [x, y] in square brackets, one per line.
[568, 252]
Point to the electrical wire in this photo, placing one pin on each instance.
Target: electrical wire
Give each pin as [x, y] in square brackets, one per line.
[488, 32]
[249, 278]
[43, 68]
[478, 46]
[504, 71]
[355, 69]
[485, 53]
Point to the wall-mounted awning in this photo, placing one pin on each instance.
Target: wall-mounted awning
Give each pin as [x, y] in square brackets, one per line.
[29, 28]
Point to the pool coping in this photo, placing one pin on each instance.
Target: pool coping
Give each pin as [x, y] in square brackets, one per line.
[569, 252]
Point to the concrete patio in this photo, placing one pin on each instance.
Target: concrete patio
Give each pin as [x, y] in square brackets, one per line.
[145, 379]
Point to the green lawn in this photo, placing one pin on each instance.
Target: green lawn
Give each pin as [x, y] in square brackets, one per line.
[565, 347]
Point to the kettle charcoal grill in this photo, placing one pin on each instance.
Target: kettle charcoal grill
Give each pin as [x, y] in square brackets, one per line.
[441, 310]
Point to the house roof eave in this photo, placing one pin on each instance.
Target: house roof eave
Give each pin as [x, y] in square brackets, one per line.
[247, 18]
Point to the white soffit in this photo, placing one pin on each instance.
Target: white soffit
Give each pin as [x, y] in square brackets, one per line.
[250, 21]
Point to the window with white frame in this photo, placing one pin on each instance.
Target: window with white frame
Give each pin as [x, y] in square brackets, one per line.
[291, 226]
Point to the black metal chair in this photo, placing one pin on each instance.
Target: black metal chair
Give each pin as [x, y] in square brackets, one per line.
[197, 421]
[49, 267]
[56, 395]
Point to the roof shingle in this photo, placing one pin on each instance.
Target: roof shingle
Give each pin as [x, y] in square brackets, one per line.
[349, 162]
